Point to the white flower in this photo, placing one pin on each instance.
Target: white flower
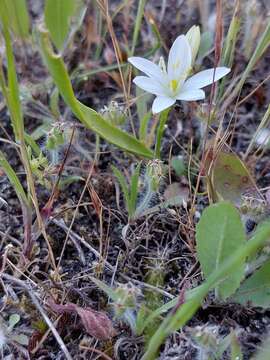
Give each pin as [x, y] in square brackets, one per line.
[173, 84]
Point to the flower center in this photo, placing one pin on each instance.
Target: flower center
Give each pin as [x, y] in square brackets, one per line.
[173, 85]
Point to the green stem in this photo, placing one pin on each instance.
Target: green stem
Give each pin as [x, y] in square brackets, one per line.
[138, 23]
[160, 131]
[181, 314]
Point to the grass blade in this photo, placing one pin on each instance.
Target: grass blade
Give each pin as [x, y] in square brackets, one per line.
[14, 180]
[134, 188]
[124, 186]
[138, 23]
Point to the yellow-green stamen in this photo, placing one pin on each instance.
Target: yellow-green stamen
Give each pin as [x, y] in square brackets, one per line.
[173, 84]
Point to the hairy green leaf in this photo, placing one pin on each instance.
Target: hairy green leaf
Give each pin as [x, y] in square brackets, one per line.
[219, 234]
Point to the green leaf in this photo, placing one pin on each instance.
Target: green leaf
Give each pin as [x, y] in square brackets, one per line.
[264, 352]
[13, 178]
[124, 186]
[144, 121]
[134, 189]
[90, 118]
[256, 289]
[11, 89]
[57, 18]
[230, 41]
[178, 164]
[219, 234]
[236, 353]
[14, 15]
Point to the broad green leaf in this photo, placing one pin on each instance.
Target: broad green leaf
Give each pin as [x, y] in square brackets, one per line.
[57, 18]
[255, 290]
[14, 15]
[219, 234]
[86, 115]
[230, 177]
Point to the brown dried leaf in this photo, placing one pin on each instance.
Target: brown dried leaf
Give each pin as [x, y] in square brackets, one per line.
[96, 323]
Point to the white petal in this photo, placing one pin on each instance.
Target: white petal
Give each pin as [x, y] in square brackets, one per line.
[204, 78]
[179, 61]
[149, 84]
[191, 95]
[161, 103]
[148, 67]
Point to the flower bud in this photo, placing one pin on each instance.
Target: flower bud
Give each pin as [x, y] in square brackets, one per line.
[55, 137]
[194, 38]
[154, 171]
[114, 113]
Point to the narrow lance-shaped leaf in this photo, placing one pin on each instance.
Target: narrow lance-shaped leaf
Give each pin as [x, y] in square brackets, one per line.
[229, 47]
[57, 18]
[124, 186]
[11, 89]
[14, 15]
[13, 178]
[89, 117]
[220, 233]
